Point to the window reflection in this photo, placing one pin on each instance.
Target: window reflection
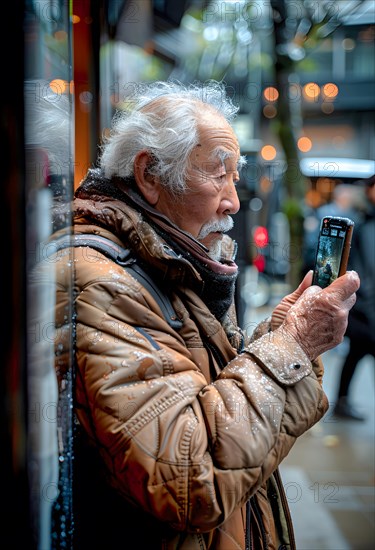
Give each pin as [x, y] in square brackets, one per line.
[48, 192]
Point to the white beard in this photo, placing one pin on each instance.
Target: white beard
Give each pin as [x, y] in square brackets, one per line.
[214, 251]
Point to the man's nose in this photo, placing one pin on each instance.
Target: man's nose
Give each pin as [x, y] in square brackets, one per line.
[230, 203]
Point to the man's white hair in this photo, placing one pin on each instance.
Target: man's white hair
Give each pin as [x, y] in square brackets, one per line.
[168, 129]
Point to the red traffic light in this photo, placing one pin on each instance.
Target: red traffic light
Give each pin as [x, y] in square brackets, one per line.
[261, 236]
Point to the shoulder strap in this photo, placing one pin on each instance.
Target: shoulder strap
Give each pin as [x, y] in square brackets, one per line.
[123, 257]
[107, 247]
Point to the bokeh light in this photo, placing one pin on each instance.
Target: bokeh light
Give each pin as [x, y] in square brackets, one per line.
[311, 91]
[330, 90]
[271, 94]
[268, 152]
[304, 144]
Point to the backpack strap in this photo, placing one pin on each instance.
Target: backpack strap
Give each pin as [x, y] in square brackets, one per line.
[122, 256]
[107, 247]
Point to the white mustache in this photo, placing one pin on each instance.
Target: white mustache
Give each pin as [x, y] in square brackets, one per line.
[222, 226]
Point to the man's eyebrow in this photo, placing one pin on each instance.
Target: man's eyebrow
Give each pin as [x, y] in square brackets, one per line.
[223, 154]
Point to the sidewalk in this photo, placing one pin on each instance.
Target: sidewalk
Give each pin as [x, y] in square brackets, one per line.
[329, 474]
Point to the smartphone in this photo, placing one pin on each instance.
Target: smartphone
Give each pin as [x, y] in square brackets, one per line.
[333, 249]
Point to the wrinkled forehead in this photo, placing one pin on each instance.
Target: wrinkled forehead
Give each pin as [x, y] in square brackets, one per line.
[218, 143]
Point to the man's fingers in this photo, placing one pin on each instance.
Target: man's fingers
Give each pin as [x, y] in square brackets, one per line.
[304, 284]
[306, 281]
[344, 286]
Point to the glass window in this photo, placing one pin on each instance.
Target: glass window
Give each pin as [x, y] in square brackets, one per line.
[48, 192]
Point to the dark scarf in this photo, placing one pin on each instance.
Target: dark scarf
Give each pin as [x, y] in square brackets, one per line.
[218, 288]
[219, 277]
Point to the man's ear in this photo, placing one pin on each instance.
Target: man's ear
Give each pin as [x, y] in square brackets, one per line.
[148, 184]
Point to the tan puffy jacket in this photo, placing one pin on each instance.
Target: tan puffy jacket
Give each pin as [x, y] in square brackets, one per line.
[188, 427]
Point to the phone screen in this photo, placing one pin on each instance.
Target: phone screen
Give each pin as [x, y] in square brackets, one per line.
[333, 250]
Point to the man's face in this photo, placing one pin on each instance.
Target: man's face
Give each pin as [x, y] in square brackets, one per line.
[211, 198]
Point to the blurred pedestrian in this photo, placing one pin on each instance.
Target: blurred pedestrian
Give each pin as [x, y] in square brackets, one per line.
[346, 202]
[361, 324]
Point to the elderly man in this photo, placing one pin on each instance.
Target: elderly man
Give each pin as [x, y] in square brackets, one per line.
[183, 418]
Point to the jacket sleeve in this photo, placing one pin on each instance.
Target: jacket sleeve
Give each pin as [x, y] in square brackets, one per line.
[186, 451]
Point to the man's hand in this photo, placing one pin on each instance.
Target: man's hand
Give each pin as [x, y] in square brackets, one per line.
[319, 317]
[280, 311]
